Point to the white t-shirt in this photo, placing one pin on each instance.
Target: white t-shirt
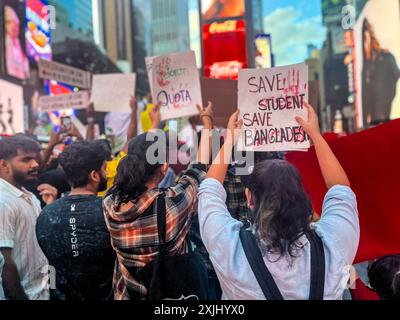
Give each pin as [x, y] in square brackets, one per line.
[338, 229]
[19, 210]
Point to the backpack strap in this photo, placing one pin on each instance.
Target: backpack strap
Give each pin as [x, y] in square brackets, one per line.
[264, 277]
[160, 210]
[317, 285]
[257, 264]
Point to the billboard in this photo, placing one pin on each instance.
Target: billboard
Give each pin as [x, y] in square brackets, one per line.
[224, 38]
[332, 10]
[16, 61]
[224, 49]
[222, 9]
[11, 108]
[263, 45]
[37, 30]
[377, 60]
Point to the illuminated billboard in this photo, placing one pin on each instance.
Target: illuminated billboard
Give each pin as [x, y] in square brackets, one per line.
[37, 30]
[224, 38]
[224, 49]
[16, 61]
[263, 46]
[221, 9]
[377, 60]
[11, 108]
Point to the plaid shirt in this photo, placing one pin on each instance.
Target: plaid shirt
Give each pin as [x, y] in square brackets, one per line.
[134, 233]
[237, 206]
[235, 197]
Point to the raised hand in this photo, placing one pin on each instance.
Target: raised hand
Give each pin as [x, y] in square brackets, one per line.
[155, 116]
[90, 111]
[48, 193]
[133, 105]
[206, 114]
[234, 125]
[310, 126]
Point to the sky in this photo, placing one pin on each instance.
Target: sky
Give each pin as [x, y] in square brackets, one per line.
[293, 24]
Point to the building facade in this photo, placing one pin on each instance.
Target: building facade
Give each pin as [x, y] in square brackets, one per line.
[74, 20]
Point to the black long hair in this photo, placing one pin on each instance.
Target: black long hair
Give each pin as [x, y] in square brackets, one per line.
[283, 210]
[384, 277]
[135, 170]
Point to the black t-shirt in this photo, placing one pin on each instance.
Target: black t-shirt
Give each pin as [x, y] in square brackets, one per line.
[74, 237]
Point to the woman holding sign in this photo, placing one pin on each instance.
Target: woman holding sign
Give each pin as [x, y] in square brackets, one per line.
[134, 204]
[285, 256]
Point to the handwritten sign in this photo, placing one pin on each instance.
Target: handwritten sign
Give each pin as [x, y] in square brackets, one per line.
[51, 70]
[79, 100]
[269, 101]
[113, 92]
[149, 68]
[176, 85]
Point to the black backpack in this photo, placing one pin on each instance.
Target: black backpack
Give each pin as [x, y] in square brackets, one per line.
[264, 277]
[179, 277]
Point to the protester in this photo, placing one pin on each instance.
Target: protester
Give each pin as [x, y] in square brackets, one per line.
[384, 276]
[72, 232]
[282, 225]
[24, 272]
[113, 162]
[50, 176]
[129, 209]
[234, 184]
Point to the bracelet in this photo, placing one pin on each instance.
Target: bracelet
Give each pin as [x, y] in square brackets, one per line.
[206, 115]
[90, 120]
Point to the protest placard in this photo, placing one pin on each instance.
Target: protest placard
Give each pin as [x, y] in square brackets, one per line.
[149, 68]
[78, 100]
[113, 92]
[269, 100]
[51, 70]
[176, 85]
[223, 94]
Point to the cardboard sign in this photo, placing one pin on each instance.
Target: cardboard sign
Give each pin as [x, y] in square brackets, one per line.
[223, 95]
[269, 100]
[149, 68]
[113, 92]
[51, 70]
[79, 100]
[176, 85]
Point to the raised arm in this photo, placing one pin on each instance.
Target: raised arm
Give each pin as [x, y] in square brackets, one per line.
[90, 118]
[155, 117]
[132, 129]
[331, 169]
[55, 139]
[220, 165]
[205, 146]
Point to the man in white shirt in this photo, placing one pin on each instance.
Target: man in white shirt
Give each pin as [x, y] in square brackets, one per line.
[24, 272]
[1, 272]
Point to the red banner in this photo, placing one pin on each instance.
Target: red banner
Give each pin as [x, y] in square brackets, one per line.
[371, 160]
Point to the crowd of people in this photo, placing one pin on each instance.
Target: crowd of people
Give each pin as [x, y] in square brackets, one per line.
[86, 225]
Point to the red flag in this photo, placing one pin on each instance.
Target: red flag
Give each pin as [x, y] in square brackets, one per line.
[371, 160]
